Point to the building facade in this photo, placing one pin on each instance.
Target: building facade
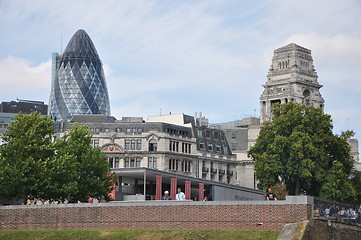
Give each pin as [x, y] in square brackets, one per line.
[241, 136]
[174, 143]
[24, 106]
[78, 81]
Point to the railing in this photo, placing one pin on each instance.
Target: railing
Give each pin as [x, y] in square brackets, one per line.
[205, 169]
[332, 210]
[229, 173]
[213, 170]
[221, 171]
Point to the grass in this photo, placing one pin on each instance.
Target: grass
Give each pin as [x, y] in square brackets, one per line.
[138, 235]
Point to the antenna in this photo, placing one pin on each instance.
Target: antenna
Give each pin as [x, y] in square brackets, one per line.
[61, 42]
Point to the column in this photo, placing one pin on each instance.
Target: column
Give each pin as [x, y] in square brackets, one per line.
[201, 191]
[188, 190]
[158, 187]
[173, 187]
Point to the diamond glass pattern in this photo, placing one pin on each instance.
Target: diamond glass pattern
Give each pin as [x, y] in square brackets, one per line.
[78, 82]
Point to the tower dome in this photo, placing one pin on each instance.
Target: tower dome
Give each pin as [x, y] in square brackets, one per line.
[78, 81]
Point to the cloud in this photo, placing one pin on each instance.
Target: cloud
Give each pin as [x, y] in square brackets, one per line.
[20, 78]
[185, 56]
[337, 58]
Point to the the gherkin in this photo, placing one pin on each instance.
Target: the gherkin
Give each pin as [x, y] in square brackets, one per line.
[78, 82]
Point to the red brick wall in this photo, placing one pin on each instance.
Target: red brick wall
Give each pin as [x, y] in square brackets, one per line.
[154, 215]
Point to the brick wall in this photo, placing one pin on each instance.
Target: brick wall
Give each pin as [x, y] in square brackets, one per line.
[235, 215]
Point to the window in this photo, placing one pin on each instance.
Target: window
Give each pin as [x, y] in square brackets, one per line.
[234, 146]
[233, 134]
[133, 144]
[178, 165]
[113, 162]
[174, 146]
[106, 130]
[127, 144]
[186, 165]
[139, 144]
[117, 130]
[218, 147]
[133, 130]
[186, 148]
[96, 142]
[222, 136]
[132, 162]
[225, 148]
[174, 164]
[152, 162]
[216, 135]
[210, 146]
[171, 131]
[208, 134]
[97, 130]
[152, 146]
[201, 145]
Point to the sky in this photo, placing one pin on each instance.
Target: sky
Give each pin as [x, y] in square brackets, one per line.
[186, 56]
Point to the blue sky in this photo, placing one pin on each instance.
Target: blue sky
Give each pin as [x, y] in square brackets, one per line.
[186, 56]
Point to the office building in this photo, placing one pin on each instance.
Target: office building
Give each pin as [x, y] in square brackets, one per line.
[78, 81]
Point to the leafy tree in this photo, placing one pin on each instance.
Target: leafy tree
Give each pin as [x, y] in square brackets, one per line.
[334, 179]
[32, 165]
[91, 172]
[299, 150]
[25, 155]
[356, 182]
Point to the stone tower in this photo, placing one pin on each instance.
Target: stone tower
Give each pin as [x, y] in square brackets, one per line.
[292, 77]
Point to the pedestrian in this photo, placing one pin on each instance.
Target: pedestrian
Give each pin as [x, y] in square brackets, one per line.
[270, 196]
[180, 195]
[166, 196]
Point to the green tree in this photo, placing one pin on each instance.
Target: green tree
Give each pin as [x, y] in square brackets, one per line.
[356, 182]
[33, 165]
[90, 170]
[25, 155]
[298, 149]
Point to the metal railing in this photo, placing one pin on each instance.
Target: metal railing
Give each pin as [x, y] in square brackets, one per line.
[337, 211]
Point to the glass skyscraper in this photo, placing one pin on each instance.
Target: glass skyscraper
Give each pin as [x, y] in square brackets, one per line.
[78, 82]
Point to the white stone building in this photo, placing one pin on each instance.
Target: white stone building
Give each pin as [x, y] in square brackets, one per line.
[174, 143]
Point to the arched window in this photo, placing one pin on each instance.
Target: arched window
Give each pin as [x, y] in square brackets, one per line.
[152, 145]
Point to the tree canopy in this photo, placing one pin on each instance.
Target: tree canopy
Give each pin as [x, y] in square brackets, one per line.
[298, 149]
[33, 165]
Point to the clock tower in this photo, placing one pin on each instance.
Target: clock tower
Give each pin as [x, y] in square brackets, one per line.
[292, 77]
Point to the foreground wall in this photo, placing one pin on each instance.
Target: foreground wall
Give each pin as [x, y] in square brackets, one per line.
[234, 215]
[327, 229]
